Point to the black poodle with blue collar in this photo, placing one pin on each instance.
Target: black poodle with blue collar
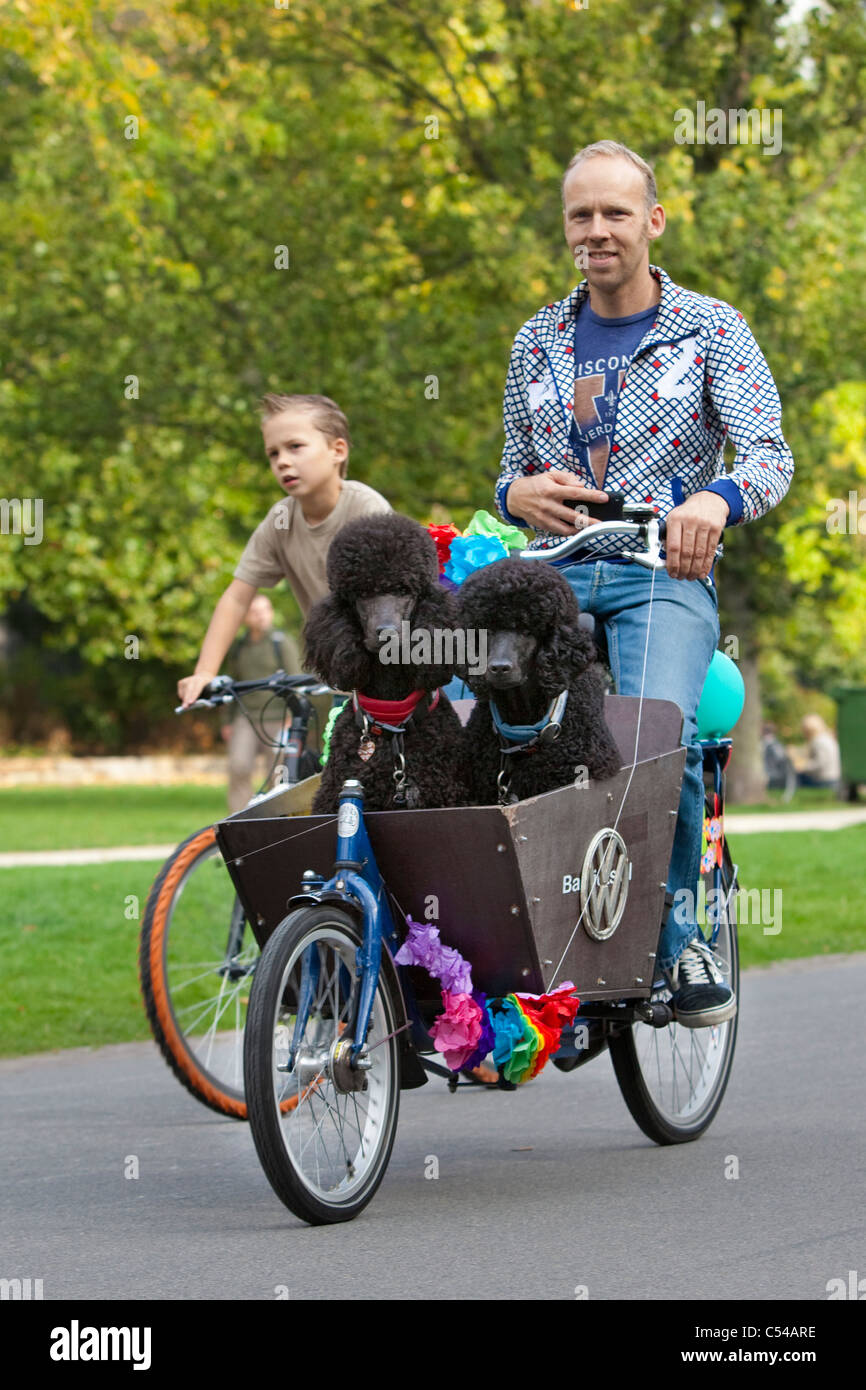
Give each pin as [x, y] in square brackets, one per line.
[385, 633]
[539, 721]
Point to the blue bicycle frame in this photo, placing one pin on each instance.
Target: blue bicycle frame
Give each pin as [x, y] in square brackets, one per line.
[357, 881]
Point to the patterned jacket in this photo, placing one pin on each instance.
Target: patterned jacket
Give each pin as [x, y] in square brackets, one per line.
[696, 377]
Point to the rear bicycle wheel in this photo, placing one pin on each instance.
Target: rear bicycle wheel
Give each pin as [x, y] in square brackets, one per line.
[323, 1130]
[196, 958]
[673, 1079]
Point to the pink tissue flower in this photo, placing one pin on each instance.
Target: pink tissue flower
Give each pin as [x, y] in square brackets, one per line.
[457, 1031]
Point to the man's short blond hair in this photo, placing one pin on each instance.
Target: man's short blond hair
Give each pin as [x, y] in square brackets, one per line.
[328, 418]
[613, 150]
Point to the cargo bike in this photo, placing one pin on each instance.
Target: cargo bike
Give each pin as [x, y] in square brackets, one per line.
[566, 886]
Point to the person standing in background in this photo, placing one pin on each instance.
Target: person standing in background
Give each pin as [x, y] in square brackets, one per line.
[260, 652]
[821, 766]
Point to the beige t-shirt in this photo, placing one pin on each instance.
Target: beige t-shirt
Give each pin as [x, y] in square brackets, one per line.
[285, 546]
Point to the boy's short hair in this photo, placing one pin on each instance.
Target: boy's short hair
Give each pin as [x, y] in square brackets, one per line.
[614, 150]
[328, 418]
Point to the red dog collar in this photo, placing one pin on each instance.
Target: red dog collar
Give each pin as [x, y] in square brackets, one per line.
[393, 712]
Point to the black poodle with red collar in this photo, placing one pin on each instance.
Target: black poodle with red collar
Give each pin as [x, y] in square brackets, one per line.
[539, 721]
[383, 635]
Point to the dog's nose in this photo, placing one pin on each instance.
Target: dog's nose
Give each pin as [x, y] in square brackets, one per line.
[500, 667]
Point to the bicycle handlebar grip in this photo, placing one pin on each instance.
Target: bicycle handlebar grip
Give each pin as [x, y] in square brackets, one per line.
[217, 686]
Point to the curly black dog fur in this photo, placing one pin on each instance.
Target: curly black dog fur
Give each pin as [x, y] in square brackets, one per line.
[375, 557]
[551, 652]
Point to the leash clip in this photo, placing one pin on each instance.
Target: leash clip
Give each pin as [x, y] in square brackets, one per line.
[503, 784]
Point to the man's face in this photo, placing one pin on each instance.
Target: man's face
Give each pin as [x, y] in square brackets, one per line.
[301, 457]
[605, 211]
[260, 615]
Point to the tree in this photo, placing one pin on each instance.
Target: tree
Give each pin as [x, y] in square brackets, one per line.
[407, 158]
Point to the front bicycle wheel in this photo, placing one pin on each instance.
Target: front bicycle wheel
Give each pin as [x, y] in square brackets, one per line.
[196, 959]
[673, 1079]
[323, 1130]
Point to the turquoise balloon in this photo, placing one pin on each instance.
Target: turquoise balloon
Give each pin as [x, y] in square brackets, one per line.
[722, 698]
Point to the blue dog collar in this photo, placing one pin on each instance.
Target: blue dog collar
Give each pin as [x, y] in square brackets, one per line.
[524, 734]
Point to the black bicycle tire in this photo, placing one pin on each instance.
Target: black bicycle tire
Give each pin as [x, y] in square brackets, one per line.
[155, 989]
[258, 1072]
[623, 1055]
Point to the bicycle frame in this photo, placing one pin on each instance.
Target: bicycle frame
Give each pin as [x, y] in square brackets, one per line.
[357, 882]
[290, 748]
[717, 752]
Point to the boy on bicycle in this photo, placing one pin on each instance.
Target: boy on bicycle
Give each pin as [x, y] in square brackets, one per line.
[307, 444]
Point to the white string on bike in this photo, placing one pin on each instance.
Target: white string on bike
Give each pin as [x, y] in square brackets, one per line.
[275, 844]
[630, 774]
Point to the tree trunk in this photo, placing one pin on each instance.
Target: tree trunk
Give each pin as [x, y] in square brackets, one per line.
[746, 781]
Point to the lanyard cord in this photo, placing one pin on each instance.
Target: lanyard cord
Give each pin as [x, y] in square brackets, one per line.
[630, 774]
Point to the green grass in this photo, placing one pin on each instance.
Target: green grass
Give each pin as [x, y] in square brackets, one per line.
[69, 953]
[804, 799]
[820, 877]
[70, 956]
[99, 817]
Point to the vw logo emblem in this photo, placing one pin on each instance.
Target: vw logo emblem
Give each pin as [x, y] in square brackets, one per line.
[604, 884]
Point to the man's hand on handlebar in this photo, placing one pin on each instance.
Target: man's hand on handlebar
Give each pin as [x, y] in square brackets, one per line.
[191, 687]
[541, 500]
[693, 532]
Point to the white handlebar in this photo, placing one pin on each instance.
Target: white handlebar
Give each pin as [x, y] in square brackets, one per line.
[649, 558]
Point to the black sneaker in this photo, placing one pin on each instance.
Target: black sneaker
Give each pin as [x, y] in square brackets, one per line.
[700, 997]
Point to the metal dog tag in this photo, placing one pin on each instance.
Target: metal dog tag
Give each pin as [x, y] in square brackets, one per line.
[366, 749]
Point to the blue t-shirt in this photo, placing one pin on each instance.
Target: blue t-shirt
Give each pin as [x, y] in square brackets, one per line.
[603, 349]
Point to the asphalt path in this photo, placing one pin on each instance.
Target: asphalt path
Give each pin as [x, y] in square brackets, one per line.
[540, 1192]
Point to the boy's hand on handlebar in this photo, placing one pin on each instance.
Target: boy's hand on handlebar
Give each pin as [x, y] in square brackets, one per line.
[541, 499]
[191, 687]
[693, 532]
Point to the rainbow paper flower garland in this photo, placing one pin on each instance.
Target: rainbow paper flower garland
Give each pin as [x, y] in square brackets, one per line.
[521, 1030]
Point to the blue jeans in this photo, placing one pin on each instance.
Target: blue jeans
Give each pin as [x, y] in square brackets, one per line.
[456, 689]
[683, 636]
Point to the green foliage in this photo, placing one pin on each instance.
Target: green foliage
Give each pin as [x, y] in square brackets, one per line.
[415, 252]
